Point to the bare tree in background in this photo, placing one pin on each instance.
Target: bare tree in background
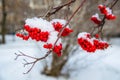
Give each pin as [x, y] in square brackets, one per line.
[3, 24]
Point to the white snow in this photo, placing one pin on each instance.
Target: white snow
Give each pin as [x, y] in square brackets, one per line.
[102, 65]
[44, 25]
[82, 35]
[53, 37]
[62, 21]
[109, 11]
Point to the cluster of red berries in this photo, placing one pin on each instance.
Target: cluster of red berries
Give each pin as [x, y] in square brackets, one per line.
[48, 46]
[104, 10]
[107, 12]
[56, 49]
[35, 34]
[100, 45]
[86, 45]
[24, 37]
[91, 44]
[58, 26]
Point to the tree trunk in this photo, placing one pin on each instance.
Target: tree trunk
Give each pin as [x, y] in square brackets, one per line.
[4, 14]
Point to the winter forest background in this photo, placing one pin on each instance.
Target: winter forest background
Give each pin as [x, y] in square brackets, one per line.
[75, 64]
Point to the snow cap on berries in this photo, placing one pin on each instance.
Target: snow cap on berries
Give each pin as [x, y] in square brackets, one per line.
[85, 42]
[95, 18]
[85, 35]
[91, 44]
[107, 12]
[44, 25]
[58, 24]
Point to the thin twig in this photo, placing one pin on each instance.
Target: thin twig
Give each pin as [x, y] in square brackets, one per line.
[33, 64]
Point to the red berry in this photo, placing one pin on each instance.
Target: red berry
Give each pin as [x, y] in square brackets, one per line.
[57, 26]
[47, 46]
[88, 36]
[25, 37]
[97, 36]
[27, 27]
[66, 32]
[17, 34]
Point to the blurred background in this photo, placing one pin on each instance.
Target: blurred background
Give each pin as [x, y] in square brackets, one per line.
[75, 64]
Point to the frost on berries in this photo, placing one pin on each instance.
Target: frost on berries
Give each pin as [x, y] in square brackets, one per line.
[91, 44]
[46, 32]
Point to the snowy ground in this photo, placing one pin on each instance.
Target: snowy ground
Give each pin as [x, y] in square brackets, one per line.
[102, 65]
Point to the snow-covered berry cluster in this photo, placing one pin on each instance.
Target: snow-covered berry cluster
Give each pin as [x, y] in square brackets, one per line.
[90, 44]
[106, 11]
[96, 19]
[58, 26]
[46, 32]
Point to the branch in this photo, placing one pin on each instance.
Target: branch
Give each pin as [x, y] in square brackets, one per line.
[56, 9]
[22, 54]
[32, 63]
[114, 3]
